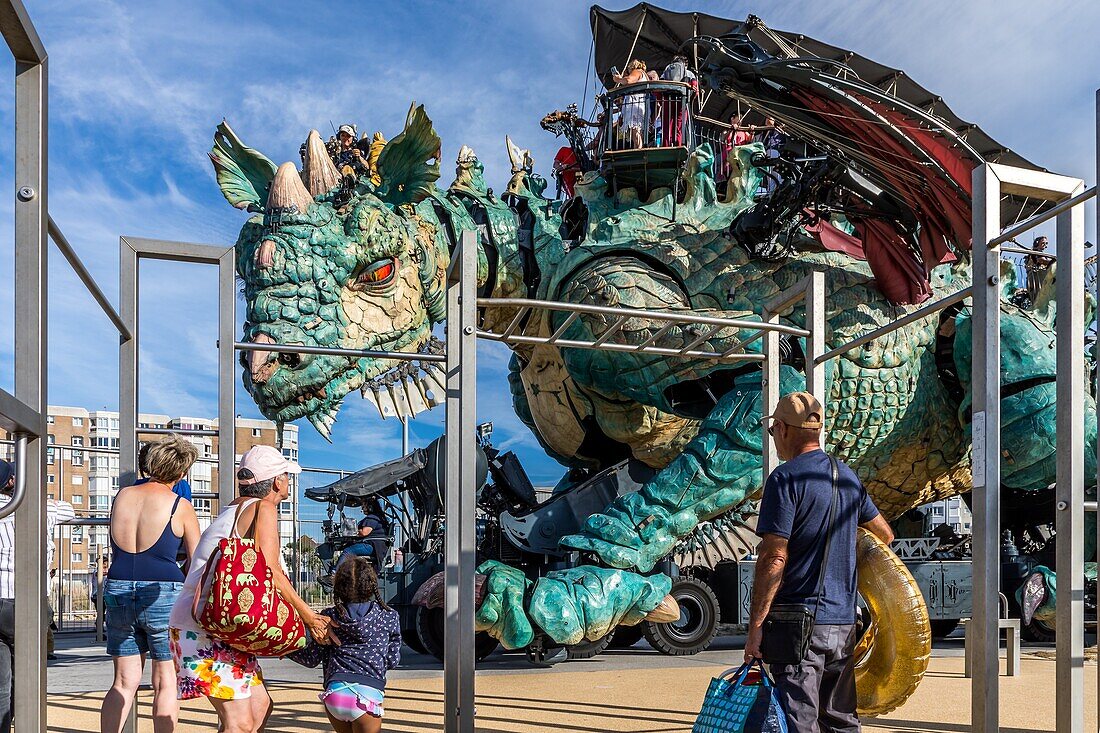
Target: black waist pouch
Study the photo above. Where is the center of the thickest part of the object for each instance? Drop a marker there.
(787, 630)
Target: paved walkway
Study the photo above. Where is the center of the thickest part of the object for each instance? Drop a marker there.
(635, 690)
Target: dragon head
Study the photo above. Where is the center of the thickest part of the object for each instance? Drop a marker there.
(336, 261)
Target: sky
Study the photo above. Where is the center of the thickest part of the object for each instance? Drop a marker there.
(136, 90)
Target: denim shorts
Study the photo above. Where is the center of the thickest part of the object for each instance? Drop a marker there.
(137, 617)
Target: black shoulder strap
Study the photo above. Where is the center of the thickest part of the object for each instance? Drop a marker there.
(828, 538)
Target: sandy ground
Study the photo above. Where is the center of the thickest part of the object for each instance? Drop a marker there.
(622, 691)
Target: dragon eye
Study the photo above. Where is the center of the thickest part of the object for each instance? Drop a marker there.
(378, 273)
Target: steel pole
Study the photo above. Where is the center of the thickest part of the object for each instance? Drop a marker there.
(1070, 489)
(31, 287)
(1097, 353)
(815, 342)
(227, 386)
(458, 658)
(985, 454)
(128, 265)
(769, 395)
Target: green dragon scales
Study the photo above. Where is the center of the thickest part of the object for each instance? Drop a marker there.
(365, 267)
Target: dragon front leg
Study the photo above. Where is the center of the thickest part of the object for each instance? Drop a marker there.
(715, 472)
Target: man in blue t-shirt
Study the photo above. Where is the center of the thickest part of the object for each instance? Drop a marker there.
(376, 547)
(819, 694)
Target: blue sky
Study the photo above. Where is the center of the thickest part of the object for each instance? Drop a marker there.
(137, 89)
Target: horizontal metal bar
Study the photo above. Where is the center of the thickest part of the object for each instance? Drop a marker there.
(17, 416)
(334, 471)
(102, 451)
(654, 350)
(20, 476)
(1025, 251)
(172, 431)
(332, 351)
(1029, 224)
(676, 316)
(564, 326)
(19, 32)
(1090, 506)
(81, 271)
(161, 249)
(89, 522)
(903, 321)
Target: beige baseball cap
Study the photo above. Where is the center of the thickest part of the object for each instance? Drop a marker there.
(799, 410)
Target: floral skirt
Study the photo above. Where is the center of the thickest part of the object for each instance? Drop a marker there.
(205, 667)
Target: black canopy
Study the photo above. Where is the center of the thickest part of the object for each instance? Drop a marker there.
(656, 35)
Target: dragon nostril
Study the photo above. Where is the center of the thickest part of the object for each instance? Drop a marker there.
(290, 359)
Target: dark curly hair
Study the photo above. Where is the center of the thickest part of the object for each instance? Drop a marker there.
(356, 582)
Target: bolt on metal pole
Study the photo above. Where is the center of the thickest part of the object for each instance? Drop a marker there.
(986, 452)
(1070, 487)
(458, 658)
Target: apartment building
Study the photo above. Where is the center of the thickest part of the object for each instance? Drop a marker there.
(83, 469)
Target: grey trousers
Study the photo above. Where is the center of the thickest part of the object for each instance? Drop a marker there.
(819, 695)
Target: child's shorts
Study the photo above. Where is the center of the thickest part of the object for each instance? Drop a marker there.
(348, 701)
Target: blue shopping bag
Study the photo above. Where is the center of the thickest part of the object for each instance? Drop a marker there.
(733, 705)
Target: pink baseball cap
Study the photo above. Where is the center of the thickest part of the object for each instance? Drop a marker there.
(264, 462)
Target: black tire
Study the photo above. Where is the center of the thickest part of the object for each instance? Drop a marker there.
(412, 641)
(625, 637)
(698, 624)
(942, 627)
(1037, 631)
(588, 649)
(429, 629)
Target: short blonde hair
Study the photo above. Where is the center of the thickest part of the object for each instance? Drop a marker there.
(169, 459)
(636, 64)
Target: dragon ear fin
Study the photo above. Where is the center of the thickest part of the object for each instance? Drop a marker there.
(407, 177)
(243, 174)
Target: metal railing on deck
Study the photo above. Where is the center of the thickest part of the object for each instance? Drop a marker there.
(655, 114)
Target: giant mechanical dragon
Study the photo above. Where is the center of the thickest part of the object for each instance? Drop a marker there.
(362, 264)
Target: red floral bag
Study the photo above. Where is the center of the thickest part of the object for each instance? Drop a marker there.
(237, 601)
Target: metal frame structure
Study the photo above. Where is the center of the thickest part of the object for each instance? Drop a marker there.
(990, 183)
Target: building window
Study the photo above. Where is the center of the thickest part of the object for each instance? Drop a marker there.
(50, 478)
(202, 506)
(78, 440)
(114, 483)
(77, 458)
(76, 500)
(78, 480)
(286, 508)
(49, 419)
(78, 422)
(78, 557)
(114, 423)
(77, 533)
(257, 432)
(49, 456)
(99, 503)
(50, 439)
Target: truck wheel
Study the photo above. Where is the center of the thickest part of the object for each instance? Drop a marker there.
(412, 641)
(625, 637)
(698, 622)
(942, 627)
(429, 629)
(588, 649)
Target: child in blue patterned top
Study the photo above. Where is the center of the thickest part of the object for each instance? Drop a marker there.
(370, 645)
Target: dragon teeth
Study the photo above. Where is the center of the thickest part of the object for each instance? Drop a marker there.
(400, 401)
(413, 398)
(436, 391)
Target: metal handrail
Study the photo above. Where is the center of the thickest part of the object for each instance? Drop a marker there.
(81, 271)
(903, 321)
(334, 351)
(20, 476)
(1029, 224)
(681, 317)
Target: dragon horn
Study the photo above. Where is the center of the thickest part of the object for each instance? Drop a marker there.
(288, 193)
(319, 174)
